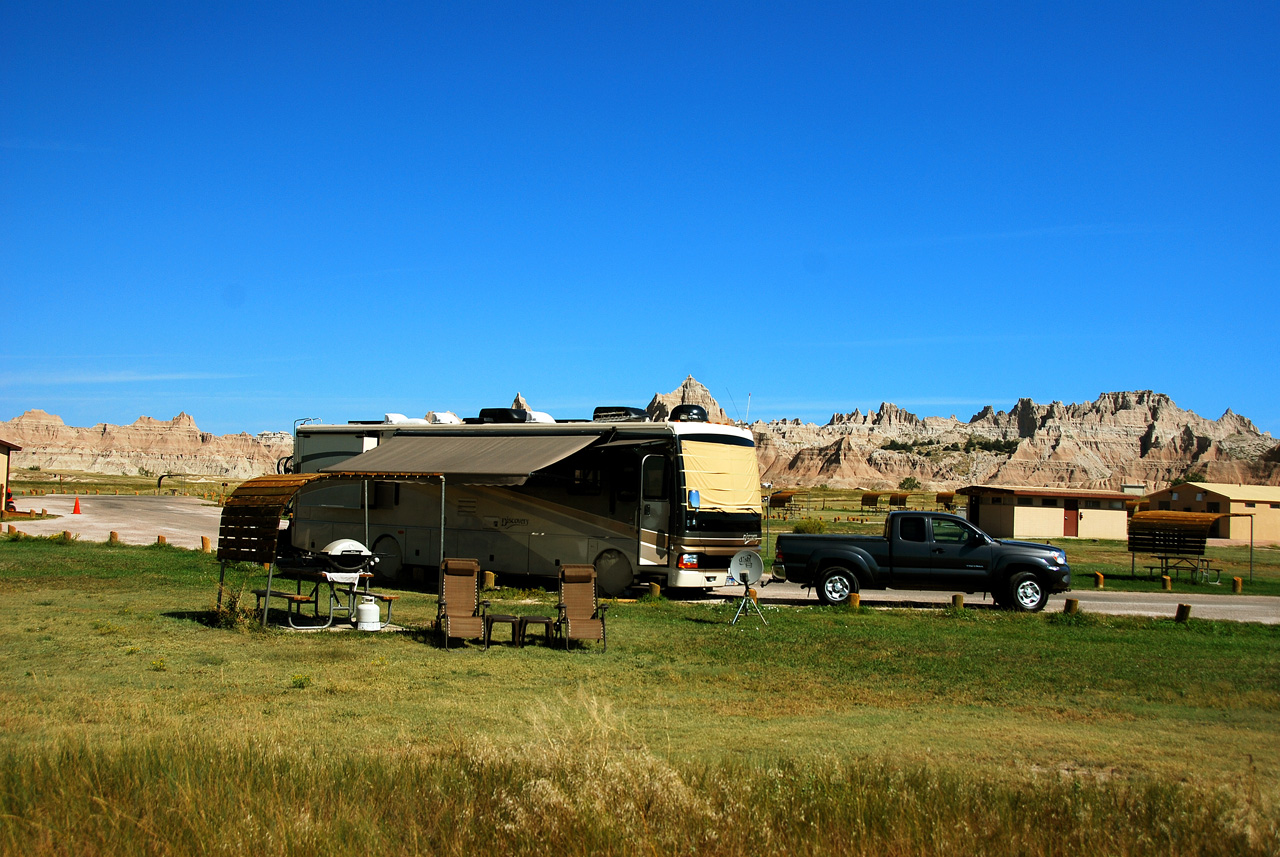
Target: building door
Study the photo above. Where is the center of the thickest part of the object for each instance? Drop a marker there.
(1071, 518)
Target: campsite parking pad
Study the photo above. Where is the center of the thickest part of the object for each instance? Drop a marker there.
(137, 520)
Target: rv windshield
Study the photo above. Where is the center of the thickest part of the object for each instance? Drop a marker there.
(724, 474)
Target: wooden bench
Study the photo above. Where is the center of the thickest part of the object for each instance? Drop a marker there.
(294, 607)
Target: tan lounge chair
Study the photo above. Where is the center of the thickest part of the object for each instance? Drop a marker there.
(461, 612)
(581, 613)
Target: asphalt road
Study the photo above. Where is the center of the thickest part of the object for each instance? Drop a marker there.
(183, 520)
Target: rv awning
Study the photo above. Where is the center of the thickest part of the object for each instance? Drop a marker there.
(470, 459)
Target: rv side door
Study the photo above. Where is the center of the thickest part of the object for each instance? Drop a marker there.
(655, 511)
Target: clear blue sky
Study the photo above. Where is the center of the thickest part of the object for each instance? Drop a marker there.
(256, 212)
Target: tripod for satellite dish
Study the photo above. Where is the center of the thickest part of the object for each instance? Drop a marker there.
(747, 567)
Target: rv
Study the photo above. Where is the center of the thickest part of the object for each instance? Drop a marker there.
(669, 501)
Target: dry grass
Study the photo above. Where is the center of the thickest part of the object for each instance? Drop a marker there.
(830, 731)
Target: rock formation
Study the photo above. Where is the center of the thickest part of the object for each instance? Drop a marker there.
(1140, 438)
(148, 447)
(1127, 438)
(688, 393)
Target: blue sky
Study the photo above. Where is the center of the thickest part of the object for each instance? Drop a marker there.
(264, 211)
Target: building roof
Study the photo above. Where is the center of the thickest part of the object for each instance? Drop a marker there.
(1031, 491)
(1237, 493)
(10, 446)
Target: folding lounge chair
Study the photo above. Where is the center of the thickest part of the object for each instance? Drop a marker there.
(460, 613)
(581, 613)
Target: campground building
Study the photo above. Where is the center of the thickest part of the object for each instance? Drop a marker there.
(5, 449)
(1242, 502)
(1016, 512)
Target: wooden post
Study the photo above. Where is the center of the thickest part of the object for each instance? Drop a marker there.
(1184, 613)
(957, 601)
(1237, 583)
(114, 538)
(13, 530)
(490, 580)
(160, 540)
(855, 600)
(654, 590)
(1098, 580)
(204, 544)
(1166, 583)
(1072, 606)
(66, 535)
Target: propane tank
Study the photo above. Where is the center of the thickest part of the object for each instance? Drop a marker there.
(368, 617)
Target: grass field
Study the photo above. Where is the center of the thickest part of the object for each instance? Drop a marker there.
(132, 722)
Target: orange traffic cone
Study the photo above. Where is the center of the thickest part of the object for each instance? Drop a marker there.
(76, 510)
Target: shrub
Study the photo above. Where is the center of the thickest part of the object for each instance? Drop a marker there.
(909, 484)
(810, 526)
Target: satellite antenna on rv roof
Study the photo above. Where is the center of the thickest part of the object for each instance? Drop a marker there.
(747, 567)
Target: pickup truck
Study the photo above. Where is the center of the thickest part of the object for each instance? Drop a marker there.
(924, 550)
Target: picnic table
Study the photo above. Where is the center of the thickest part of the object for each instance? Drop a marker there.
(342, 588)
(1198, 568)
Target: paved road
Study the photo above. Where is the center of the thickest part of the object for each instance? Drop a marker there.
(1207, 602)
(183, 520)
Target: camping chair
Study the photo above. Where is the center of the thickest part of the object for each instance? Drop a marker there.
(460, 612)
(581, 613)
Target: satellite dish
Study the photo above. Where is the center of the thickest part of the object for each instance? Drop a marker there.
(747, 566)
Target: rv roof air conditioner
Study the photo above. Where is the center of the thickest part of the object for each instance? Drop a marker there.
(688, 414)
(511, 415)
(402, 420)
(619, 414)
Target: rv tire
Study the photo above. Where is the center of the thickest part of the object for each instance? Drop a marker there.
(613, 573)
(390, 558)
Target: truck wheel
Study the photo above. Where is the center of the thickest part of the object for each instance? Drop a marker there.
(836, 585)
(1027, 593)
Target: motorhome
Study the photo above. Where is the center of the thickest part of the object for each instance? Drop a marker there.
(669, 501)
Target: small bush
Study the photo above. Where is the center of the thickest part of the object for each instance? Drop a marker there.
(909, 484)
(810, 526)
(300, 681)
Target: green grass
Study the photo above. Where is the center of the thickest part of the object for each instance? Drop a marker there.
(829, 731)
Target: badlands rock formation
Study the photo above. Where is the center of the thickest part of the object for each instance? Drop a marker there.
(1135, 438)
(688, 393)
(1132, 438)
(147, 447)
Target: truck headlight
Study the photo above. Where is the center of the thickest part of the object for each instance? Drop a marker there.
(1059, 557)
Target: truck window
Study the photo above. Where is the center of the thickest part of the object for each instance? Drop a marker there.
(911, 530)
(951, 532)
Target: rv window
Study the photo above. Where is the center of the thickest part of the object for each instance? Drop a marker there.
(385, 495)
(655, 478)
(586, 480)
